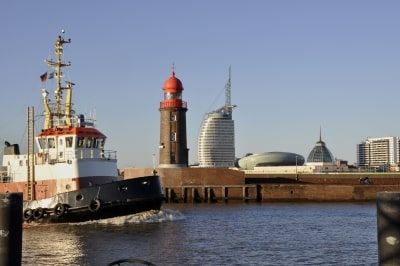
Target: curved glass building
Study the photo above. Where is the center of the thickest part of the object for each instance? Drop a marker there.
(216, 142)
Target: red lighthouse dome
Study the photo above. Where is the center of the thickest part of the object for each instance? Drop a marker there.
(173, 84)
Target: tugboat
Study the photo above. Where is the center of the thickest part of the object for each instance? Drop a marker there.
(71, 178)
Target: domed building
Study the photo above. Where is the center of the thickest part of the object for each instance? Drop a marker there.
(267, 159)
(320, 160)
(320, 154)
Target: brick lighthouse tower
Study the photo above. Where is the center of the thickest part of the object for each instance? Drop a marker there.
(173, 144)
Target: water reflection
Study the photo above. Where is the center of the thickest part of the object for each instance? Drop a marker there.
(50, 245)
(98, 242)
(218, 234)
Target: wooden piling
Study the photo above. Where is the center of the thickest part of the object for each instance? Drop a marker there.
(388, 220)
(10, 228)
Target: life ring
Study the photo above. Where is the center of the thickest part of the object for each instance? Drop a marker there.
(59, 209)
(94, 205)
(27, 215)
(38, 213)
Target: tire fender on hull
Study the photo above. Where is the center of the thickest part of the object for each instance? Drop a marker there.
(27, 215)
(94, 205)
(38, 213)
(59, 209)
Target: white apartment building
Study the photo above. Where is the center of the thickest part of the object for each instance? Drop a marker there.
(379, 152)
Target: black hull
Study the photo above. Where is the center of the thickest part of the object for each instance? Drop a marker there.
(109, 200)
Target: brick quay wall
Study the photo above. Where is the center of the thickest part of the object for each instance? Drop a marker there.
(190, 185)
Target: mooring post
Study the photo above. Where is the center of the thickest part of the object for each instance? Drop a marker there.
(388, 220)
(10, 228)
(225, 193)
(244, 193)
(167, 196)
(205, 193)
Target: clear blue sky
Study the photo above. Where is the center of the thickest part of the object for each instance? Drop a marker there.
(296, 66)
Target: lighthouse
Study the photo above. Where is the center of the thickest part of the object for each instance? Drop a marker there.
(173, 143)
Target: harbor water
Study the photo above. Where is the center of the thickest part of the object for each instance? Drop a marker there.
(215, 234)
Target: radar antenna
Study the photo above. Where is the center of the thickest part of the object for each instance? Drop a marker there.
(62, 114)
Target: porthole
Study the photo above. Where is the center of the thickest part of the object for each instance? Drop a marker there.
(79, 197)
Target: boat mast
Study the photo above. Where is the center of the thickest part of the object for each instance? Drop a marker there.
(31, 155)
(62, 115)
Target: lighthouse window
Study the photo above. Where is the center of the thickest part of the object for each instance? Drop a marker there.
(173, 136)
(68, 142)
(51, 143)
(173, 116)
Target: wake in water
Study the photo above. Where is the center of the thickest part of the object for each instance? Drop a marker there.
(152, 216)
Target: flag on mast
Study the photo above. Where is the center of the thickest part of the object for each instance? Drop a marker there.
(43, 77)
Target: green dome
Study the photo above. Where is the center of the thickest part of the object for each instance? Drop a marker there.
(320, 154)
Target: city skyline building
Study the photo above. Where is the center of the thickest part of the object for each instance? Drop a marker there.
(216, 141)
(380, 152)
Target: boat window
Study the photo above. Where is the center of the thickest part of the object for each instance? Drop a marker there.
(51, 143)
(101, 144)
(95, 143)
(80, 142)
(68, 142)
(89, 142)
(42, 143)
(60, 142)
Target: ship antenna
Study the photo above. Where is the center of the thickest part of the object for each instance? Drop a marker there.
(57, 65)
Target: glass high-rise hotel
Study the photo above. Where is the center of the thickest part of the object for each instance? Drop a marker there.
(216, 142)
